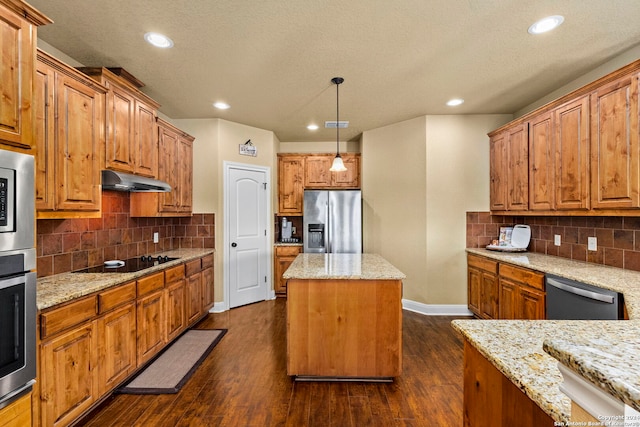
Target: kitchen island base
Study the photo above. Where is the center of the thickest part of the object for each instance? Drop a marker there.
(344, 329)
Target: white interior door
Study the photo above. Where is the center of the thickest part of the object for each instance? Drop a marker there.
(247, 235)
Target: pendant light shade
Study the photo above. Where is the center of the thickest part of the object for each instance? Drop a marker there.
(338, 164)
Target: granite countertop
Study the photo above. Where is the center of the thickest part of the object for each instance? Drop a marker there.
(287, 244)
(59, 288)
(528, 352)
(342, 266)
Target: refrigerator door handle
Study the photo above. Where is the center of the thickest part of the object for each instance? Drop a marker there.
(327, 240)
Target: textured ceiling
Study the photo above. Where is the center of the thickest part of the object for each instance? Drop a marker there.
(273, 60)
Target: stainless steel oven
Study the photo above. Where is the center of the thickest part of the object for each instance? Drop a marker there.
(17, 276)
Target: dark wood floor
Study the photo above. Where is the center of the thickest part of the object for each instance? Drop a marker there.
(244, 382)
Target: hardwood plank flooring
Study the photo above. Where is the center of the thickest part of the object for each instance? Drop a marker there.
(244, 382)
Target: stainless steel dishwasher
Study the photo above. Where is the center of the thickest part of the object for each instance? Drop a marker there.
(568, 299)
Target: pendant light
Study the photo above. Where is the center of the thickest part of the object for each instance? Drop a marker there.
(338, 165)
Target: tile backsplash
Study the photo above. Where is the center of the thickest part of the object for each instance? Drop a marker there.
(618, 238)
(65, 245)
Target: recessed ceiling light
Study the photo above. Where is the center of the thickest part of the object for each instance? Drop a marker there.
(455, 102)
(221, 105)
(158, 40)
(546, 24)
(312, 127)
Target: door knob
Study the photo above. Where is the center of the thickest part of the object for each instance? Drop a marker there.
(234, 244)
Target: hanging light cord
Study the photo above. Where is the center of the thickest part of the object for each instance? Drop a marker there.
(337, 81)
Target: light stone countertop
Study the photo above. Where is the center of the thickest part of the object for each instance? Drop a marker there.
(59, 288)
(527, 352)
(342, 266)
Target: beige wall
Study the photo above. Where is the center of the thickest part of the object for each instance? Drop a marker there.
(319, 147)
(216, 142)
(419, 179)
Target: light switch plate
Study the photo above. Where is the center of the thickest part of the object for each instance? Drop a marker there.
(592, 243)
(557, 240)
(156, 237)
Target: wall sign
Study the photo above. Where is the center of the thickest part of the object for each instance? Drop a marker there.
(248, 149)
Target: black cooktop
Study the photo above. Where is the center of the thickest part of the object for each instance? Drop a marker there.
(130, 265)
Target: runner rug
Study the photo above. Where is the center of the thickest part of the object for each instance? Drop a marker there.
(175, 365)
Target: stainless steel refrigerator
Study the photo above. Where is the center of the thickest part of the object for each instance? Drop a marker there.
(332, 221)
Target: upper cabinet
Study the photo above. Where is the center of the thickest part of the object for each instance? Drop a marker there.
(131, 136)
(614, 145)
(18, 35)
(175, 166)
(70, 141)
(582, 153)
(297, 172)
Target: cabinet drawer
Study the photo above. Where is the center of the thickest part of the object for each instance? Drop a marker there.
(67, 316)
(116, 297)
(150, 283)
(483, 263)
(522, 275)
(174, 274)
(193, 267)
(207, 262)
(288, 250)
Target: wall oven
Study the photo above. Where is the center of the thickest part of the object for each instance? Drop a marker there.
(17, 276)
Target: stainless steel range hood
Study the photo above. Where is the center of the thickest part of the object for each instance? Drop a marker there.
(120, 181)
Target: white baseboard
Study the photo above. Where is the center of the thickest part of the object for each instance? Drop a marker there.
(436, 309)
(219, 307)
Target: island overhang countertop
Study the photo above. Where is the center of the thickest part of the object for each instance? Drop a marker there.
(365, 266)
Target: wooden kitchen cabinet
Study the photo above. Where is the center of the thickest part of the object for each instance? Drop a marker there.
(541, 162)
(17, 413)
(175, 167)
(69, 139)
(522, 294)
(498, 172)
(68, 384)
(483, 292)
(208, 296)
(283, 259)
(18, 30)
(517, 168)
(195, 306)
(615, 156)
(317, 173)
(176, 302)
(291, 169)
(151, 317)
(131, 136)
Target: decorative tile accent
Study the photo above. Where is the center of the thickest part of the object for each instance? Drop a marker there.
(618, 237)
(65, 245)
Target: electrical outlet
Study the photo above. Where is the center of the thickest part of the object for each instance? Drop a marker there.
(592, 243)
(556, 240)
(156, 237)
(293, 230)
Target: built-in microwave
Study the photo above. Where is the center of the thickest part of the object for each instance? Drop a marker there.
(17, 276)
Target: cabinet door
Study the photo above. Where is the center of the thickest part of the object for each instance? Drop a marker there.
(208, 298)
(44, 136)
(194, 298)
(517, 168)
(151, 326)
(176, 310)
(68, 385)
(572, 155)
(120, 129)
(282, 263)
(474, 277)
(185, 175)
(349, 178)
(489, 296)
(16, 74)
(146, 141)
(614, 145)
(531, 304)
(290, 184)
(80, 134)
(508, 300)
(168, 168)
(117, 344)
(316, 172)
(498, 172)
(541, 163)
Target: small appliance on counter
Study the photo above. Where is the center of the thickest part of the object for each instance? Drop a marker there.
(512, 239)
(285, 231)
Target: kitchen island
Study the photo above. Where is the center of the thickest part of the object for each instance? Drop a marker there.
(344, 317)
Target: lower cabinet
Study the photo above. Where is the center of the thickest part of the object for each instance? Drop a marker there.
(498, 290)
(17, 414)
(90, 346)
(68, 383)
(283, 259)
